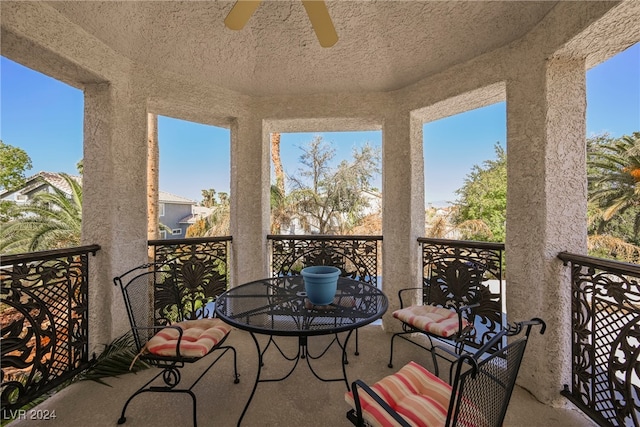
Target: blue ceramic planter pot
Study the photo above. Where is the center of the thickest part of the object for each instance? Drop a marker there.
(320, 283)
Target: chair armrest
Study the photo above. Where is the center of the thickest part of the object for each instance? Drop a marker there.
(401, 291)
(534, 321)
(364, 387)
(469, 358)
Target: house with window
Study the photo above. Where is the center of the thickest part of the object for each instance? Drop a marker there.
(42, 181)
(176, 213)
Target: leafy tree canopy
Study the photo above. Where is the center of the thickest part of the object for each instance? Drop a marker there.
(330, 199)
(483, 196)
(614, 178)
(14, 162)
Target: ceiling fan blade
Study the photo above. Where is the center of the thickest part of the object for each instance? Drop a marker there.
(240, 13)
(321, 22)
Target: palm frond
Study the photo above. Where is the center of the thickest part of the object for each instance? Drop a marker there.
(115, 360)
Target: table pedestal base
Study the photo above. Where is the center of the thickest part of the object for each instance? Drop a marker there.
(303, 353)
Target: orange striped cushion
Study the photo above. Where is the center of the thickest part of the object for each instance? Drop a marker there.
(198, 338)
(420, 397)
(435, 320)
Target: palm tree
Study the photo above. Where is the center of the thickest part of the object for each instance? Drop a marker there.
(49, 221)
(153, 166)
(279, 212)
(217, 223)
(614, 177)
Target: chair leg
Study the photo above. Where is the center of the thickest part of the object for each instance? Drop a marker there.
(143, 389)
(236, 377)
(171, 377)
(390, 364)
(357, 353)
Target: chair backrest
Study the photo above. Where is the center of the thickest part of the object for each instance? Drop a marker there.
(453, 283)
(483, 387)
(151, 298)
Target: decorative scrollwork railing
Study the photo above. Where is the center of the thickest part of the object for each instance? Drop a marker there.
(199, 268)
(45, 314)
(356, 256)
(487, 258)
(605, 307)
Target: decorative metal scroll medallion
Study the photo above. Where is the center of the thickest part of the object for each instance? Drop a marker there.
(199, 272)
(356, 257)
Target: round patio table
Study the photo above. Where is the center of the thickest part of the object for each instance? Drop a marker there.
(279, 307)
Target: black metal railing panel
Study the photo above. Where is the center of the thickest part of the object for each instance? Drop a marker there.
(356, 256)
(44, 315)
(200, 272)
(605, 307)
(490, 316)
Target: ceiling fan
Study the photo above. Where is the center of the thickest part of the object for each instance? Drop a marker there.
(316, 10)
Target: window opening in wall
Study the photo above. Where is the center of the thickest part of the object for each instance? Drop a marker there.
(42, 129)
(613, 165)
(465, 168)
(195, 176)
(326, 183)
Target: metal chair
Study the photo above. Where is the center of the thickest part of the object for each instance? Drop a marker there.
(448, 298)
(478, 396)
(161, 311)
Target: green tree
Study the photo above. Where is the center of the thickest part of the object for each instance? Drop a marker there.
(614, 177)
(613, 168)
(14, 162)
(208, 198)
(217, 223)
(484, 197)
(332, 200)
(49, 221)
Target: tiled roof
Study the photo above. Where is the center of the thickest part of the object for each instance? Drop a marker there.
(163, 196)
(57, 181)
(52, 178)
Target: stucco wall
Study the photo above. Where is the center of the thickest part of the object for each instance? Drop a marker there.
(545, 115)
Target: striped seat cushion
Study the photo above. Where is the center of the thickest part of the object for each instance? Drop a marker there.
(198, 338)
(416, 394)
(434, 320)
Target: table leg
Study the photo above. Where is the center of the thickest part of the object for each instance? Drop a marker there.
(255, 385)
(343, 360)
(302, 354)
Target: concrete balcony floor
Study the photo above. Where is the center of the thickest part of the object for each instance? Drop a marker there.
(300, 400)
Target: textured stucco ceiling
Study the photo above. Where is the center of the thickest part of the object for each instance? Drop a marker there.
(383, 45)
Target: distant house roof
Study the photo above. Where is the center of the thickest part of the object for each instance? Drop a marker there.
(165, 197)
(56, 180)
(42, 178)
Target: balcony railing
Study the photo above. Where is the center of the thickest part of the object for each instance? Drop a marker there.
(356, 256)
(45, 314)
(200, 269)
(605, 307)
(490, 316)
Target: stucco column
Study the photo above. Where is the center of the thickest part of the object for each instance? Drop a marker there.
(402, 208)
(250, 208)
(114, 211)
(546, 210)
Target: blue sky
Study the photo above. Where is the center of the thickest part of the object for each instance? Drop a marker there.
(44, 117)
